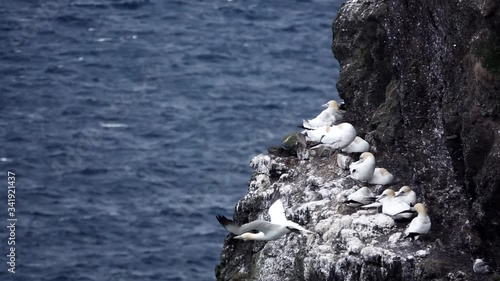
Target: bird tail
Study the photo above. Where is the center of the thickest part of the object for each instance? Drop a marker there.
(306, 125)
(372, 205)
(295, 226)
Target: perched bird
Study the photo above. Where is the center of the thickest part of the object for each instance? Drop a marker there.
(481, 267)
(379, 200)
(394, 207)
(264, 230)
(315, 135)
(337, 136)
(327, 117)
(358, 145)
(363, 169)
(420, 224)
(381, 176)
(407, 195)
(361, 197)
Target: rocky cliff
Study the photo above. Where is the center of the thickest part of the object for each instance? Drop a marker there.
(421, 81)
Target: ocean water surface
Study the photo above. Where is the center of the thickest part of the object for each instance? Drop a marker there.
(130, 124)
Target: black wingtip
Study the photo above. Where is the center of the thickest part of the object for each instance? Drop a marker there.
(275, 195)
(302, 127)
(223, 220)
(412, 235)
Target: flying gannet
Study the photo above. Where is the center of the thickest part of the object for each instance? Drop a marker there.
(481, 267)
(361, 197)
(358, 145)
(407, 195)
(264, 230)
(327, 117)
(394, 207)
(337, 136)
(363, 169)
(381, 176)
(420, 224)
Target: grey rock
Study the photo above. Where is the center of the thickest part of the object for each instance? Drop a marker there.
(422, 80)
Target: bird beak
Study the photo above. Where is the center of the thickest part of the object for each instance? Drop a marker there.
(381, 197)
(325, 105)
(397, 194)
(238, 237)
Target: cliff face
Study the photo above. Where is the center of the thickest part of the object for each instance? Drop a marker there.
(421, 80)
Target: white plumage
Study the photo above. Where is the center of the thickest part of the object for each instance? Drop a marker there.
(394, 207)
(419, 225)
(264, 230)
(381, 176)
(363, 169)
(327, 117)
(358, 145)
(407, 195)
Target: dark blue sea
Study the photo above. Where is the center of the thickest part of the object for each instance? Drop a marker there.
(130, 124)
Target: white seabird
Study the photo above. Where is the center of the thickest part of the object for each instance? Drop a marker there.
(419, 225)
(379, 200)
(361, 197)
(381, 176)
(358, 145)
(316, 134)
(394, 207)
(264, 230)
(327, 117)
(481, 267)
(337, 136)
(363, 169)
(407, 195)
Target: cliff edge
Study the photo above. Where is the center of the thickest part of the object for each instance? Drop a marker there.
(421, 81)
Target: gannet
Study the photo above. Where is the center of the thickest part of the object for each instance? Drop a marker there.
(327, 117)
(379, 200)
(337, 136)
(358, 145)
(264, 230)
(407, 195)
(381, 176)
(419, 225)
(361, 197)
(394, 207)
(481, 267)
(317, 134)
(363, 169)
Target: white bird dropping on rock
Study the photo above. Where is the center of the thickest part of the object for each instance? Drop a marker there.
(407, 195)
(419, 225)
(327, 117)
(358, 145)
(394, 207)
(264, 230)
(363, 169)
(381, 176)
(361, 197)
(481, 267)
(343, 161)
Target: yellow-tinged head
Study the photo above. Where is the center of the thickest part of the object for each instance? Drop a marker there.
(420, 208)
(388, 192)
(366, 155)
(332, 104)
